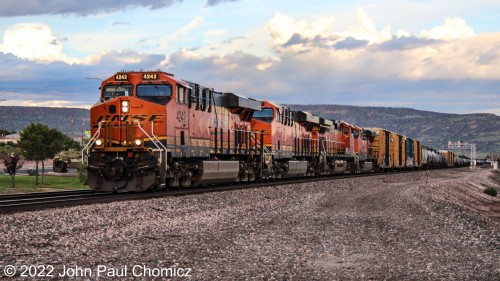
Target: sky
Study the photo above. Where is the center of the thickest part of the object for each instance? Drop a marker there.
(441, 56)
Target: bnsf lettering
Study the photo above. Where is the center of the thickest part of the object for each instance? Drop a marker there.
(124, 118)
(155, 117)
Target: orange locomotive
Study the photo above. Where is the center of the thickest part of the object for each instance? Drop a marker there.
(151, 130)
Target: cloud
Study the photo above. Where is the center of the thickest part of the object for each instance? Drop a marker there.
(351, 43)
(217, 2)
(116, 23)
(232, 39)
(11, 8)
(453, 28)
(42, 84)
(215, 32)
(291, 79)
(406, 43)
(33, 41)
(302, 35)
(361, 64)
(181, 32)
(287, 31)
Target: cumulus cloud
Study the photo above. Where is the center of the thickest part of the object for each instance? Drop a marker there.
(33, 41)
(301, 35)
(453, 28)
(322, 80)
(285, 30)
(449, 51)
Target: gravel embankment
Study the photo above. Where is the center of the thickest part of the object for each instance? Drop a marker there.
(381, 227)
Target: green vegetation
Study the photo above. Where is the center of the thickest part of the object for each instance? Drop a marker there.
(491, 191)
(27, 184)
(82, 172)
(39, 142)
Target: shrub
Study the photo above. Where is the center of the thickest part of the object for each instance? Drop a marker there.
(491, 191)
(82, 172)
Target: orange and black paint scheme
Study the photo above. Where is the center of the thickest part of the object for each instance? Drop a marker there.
(151, 130)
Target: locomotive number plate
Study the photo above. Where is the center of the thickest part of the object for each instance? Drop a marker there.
(121, 77)
(150, 76)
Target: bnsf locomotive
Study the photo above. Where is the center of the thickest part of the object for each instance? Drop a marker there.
(151, 130)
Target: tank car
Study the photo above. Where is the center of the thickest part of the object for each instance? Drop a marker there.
(431, 158)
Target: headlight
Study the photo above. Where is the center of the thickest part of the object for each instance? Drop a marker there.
(98, 142)
(125, 106)
(138, 142)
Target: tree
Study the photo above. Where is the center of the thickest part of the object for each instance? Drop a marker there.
(38, 142)
(12, 163)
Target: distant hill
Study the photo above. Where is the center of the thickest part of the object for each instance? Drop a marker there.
(435, 129)
(71, 121)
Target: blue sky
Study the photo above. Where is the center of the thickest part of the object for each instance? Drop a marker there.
(431, 55)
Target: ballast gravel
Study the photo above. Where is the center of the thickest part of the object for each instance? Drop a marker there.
(435, 225)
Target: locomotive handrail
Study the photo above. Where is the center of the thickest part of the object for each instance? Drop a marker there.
(91, 142)
(266, 150)
(155, 141)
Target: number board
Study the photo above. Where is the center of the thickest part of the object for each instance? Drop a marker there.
(150, 76)
(121, 77)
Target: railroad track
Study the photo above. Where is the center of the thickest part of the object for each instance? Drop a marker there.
(43, 200)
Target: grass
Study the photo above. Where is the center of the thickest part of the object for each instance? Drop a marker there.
(51, 183)
(491, 191)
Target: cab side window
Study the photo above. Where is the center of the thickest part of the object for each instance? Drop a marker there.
(181, 94)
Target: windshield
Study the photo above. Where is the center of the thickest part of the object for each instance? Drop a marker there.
(355, 133)
(155, 93)
(265, 114)
(113, 91)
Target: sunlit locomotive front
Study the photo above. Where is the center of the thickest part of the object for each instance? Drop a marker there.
(128, 124)
(151, 130)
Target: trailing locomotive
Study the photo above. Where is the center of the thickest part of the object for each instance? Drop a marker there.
(151, 130)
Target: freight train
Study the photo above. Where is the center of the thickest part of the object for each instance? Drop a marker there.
(151, 130)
